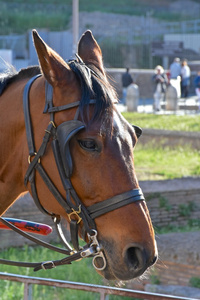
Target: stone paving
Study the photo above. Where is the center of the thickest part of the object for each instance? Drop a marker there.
(186, 106)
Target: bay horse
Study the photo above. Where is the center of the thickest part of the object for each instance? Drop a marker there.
(63, 117)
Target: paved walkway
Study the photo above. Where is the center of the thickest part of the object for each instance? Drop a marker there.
(185, 106)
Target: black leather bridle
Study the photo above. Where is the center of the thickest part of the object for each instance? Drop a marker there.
(76, 211)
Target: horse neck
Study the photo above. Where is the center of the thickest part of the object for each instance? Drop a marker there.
(13, 150)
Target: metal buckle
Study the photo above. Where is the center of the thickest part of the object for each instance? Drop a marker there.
(76, 213)
(99, 253)
(29, 158)
(88, 252)
(52, 122)
(47, 262)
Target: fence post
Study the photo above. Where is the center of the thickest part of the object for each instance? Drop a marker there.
(27, 291)
(132, 97)
(171, 98)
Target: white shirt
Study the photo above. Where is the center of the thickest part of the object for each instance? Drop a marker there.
(185, 72)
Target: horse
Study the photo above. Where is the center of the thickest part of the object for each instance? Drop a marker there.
(64, 141)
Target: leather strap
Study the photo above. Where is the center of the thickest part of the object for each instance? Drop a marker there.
(55, 109)
(74, 234)
(27, 117)
(41, 151)
(34, 239)
(115, 202)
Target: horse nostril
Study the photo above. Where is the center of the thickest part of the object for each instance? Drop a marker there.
(154, 260)
(135, 257)
(138, 259)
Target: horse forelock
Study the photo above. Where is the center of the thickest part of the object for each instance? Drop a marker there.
(94, 86)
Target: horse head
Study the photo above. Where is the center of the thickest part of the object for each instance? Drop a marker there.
(92, 162)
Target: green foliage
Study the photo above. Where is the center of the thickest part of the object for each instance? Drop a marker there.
(153, 162)
(164, 203)
(195, 282)
(152, 196)
(194, 223)
(19, 16)
(185, 210)
(81, 271)
(166, 122)
(154, 279)
(20, 21)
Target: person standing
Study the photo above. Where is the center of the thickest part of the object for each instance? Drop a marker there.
(185, 78)
(197, 87)
(126, 81)
(175, 75)
(160, 83)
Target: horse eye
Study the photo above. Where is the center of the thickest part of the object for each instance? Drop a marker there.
(88, 145)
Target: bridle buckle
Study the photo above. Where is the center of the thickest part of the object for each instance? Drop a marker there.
(48, 263)
(76, 213)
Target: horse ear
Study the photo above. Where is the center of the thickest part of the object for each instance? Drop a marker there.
(53, 66)
(89, 50)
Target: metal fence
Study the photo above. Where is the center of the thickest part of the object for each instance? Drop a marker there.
(132, 48)
(103, 291)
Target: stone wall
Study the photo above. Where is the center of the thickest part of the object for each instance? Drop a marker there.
(170, 202)
(178, 263)
(171, 138)
(173, 202)
(25, 208)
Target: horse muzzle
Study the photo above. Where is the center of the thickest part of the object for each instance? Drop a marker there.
(133, 262)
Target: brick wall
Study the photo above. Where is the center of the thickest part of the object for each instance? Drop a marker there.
(167, 273)
(171, 273)
(169, 203)
(173, 202)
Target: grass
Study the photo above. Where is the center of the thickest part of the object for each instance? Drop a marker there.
(172, 228)
(166, 122)
(81, 271)
(152, 162)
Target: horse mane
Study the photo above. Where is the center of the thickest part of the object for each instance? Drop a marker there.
(93, 86)
(11, 75)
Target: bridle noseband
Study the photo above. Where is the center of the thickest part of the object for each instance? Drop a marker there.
(76, 211)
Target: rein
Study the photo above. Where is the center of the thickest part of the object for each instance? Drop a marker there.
(76, 211)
